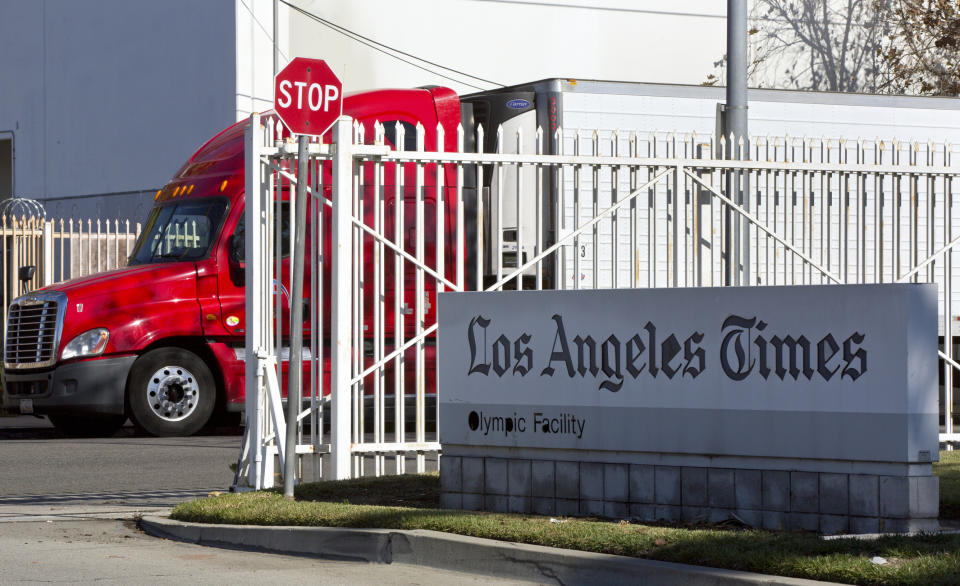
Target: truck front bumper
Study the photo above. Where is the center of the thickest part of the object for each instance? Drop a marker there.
(88, 387)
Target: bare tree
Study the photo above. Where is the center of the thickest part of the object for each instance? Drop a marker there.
(825, 45)
(920, 49)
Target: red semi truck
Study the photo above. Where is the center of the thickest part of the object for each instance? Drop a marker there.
(161, 340)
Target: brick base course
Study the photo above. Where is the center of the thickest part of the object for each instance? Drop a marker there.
(774, 499)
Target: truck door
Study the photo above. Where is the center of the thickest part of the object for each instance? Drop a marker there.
(231, 285)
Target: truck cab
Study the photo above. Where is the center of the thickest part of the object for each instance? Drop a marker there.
(161, 340)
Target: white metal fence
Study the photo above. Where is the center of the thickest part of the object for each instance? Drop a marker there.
(60, 250)
(610, 210)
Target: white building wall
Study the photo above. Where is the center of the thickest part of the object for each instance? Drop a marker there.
(258, 57)
(514, 41)
(105, 99)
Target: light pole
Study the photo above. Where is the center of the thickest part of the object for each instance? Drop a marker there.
(734, 130)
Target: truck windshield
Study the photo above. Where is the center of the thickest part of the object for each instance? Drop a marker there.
(179, 231)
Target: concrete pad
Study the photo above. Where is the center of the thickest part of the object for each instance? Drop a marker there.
(472, 475)
(748, 489)
(721, 488)
(495, 476)
(615, 482)
(519, 481)
(591, 481)
(642, 487)
(450, 474)
(834, 494)
(864, 496)
(804, 492)
(776, 491)
(667, 480)
(543, 478)
(693, 487)
(568, 480)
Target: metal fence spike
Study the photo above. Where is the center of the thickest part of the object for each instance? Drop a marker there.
(400, 136)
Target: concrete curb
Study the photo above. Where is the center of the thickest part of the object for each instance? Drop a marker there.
(455, 552)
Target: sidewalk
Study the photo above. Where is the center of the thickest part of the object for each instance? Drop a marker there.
(446, 551)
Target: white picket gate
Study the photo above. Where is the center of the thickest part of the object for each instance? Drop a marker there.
(610, 210)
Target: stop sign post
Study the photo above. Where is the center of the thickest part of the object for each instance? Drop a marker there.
(308, 96)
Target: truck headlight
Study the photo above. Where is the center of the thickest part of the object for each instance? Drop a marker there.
(89, 343)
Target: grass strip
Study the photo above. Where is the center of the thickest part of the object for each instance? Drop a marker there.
(411, 502)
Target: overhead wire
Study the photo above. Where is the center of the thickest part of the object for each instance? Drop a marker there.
(385, 49)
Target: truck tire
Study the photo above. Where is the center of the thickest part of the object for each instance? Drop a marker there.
(171, 392)
(87, 425)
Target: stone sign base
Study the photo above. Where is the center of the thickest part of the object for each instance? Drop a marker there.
(781, 499)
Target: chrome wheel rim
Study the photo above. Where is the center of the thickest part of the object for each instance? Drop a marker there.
(172, 393)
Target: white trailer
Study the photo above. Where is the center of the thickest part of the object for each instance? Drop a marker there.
(830, 213)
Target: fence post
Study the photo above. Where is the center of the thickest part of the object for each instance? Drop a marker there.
(254, 301)
(13, 262)
(342, 249)
(46, 254)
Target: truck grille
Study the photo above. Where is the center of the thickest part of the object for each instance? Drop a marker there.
(33, 330)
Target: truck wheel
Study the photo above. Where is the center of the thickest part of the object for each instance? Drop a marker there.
(171, 392)
(87, 426)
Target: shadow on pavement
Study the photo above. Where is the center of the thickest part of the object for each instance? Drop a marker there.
(32, 428)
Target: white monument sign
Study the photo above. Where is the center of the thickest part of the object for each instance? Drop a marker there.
(756, 375)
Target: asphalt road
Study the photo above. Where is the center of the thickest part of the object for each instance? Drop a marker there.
(36, 461)
(67, 505)
(38, 466)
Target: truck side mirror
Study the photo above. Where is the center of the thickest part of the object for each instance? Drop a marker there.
(236, 248)
(25, 274)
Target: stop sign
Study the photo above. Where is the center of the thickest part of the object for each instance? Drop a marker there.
(307, 96)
